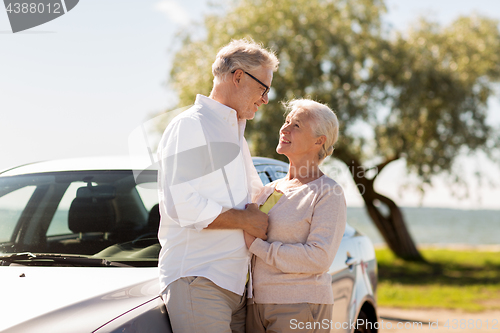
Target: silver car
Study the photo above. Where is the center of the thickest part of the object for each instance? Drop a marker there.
(79, 253)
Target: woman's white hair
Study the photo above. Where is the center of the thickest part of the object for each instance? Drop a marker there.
(242, 54)
(323, 122)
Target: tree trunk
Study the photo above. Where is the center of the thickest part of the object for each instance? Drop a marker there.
(392, 225)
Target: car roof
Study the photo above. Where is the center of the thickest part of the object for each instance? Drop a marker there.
(102, 163)
(81, 164)
(266, 161)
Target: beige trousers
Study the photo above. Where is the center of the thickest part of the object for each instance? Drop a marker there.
(302, 317)
(196, 304)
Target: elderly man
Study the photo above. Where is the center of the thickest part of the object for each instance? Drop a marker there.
(206, 185)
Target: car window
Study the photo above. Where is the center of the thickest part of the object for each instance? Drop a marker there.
(280, 174)
(271, 172)
(11, 206)
(264, 177)
(148, 193)
(59, 223)
(104, 214)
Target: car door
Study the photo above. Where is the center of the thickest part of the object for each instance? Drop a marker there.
(343, 271)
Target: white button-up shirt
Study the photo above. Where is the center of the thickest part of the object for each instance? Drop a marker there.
(205, 166)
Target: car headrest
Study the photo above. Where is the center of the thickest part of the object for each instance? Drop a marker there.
(154, 218)
(91, 215)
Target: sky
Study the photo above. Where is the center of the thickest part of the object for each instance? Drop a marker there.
(81, 84)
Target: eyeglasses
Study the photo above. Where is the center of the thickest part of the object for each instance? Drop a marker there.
(253, 77)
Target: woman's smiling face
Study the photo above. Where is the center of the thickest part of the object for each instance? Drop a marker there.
(297, 137)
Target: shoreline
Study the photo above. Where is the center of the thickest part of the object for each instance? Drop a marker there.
(453, 246)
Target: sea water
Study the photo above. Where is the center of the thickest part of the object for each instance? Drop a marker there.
(440, 226)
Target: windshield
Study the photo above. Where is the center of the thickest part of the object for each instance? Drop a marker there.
(95, 214)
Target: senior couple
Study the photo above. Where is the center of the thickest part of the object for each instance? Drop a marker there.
(238, 256)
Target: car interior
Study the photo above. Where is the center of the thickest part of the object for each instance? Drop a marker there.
(62, 216)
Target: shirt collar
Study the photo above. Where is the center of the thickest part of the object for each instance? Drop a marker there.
(225, 112)
(219, 109)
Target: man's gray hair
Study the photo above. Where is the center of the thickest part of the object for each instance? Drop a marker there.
(323, 122)
(242, 54)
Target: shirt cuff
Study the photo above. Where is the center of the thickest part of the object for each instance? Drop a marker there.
(260, 248)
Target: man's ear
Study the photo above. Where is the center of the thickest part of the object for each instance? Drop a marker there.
(237, 76)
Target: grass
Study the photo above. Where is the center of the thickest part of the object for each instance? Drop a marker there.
(452, 279)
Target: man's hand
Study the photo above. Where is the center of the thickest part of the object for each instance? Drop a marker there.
(251, 220)
(255, 221)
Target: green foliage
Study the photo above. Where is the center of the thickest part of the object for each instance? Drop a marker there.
(454, 279)
(320, 57)
(422, 93)
(439, 82)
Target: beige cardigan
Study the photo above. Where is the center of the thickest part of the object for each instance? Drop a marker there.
(305, 229)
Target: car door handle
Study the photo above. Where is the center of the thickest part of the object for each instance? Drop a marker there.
(350, 261)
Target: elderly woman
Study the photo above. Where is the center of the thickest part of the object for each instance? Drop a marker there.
(307, 217)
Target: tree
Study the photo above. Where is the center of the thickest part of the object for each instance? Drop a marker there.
(423, 93)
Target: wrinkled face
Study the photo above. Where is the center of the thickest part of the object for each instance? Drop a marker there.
(297, 138)
(251, 93)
